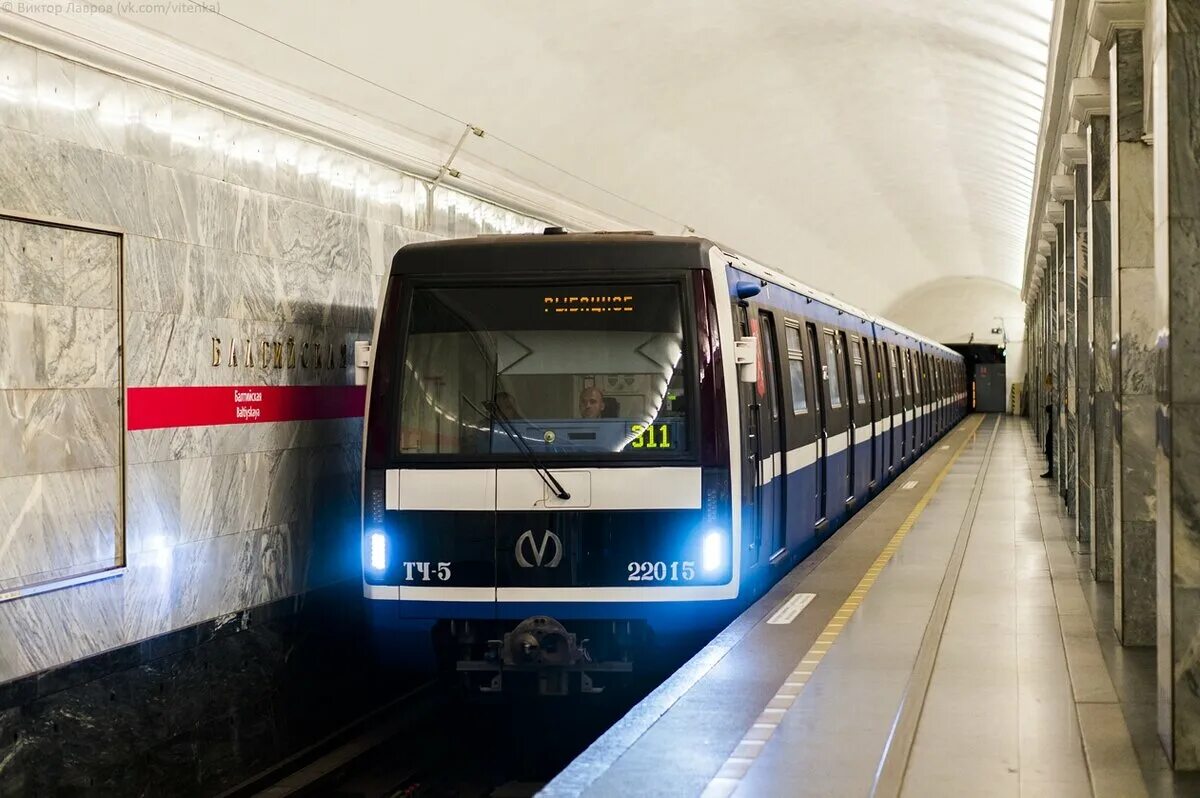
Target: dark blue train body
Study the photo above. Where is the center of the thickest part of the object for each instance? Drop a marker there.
(579, 446)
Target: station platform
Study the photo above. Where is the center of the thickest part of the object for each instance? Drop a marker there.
(944, 647)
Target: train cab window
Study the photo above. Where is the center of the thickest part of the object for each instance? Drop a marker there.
(767, 347)
(831, 370)
(856, 361)
(569, 369)
(795, 353)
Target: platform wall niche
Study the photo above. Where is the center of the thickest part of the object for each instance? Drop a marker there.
(60, 375)
(240, 547)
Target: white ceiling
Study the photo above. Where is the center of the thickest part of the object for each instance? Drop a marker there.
(868, 147)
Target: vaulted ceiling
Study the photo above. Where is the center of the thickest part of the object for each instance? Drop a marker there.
(873, 148)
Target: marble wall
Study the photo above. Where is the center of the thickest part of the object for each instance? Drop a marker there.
(59, 404)
(198, 710)
(231, 229)
(1174, 45)
(1134, 333)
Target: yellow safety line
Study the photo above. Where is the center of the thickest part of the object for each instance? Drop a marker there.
(746, 751)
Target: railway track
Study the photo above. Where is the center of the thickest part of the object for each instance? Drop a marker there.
(433, 742)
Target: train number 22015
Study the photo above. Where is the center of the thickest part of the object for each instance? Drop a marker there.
(662, 571)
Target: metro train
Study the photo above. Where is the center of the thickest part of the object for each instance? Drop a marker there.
(582, 446)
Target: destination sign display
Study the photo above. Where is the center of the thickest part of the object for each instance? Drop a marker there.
(594, 303)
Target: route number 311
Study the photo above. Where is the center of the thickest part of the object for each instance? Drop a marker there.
(651, 436)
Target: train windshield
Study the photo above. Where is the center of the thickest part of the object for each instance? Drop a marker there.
(565, 369)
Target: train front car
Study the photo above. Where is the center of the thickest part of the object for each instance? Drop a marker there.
(547, 478)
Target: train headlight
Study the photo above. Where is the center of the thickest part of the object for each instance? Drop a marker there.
(377, 551)
(713, 552)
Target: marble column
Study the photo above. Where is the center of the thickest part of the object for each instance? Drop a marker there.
(1033, 360)
(1068, 400)
(1060, 422)
(1100, 313)
(1133, 338)
(1047, 344)
(1054, 342)
(1174, 44)
(1039, 407)
(1066, 450)
(1066, 250)
(1047, 340)
(1083, 366)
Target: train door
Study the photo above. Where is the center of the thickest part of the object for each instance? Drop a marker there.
(899, 390)
(926, 398)
(941, 381)
(912, 401)
(930, 396)
(836, 411)
(935, 393)
(772, 467)
(798, 427)
(820, 427)
(905, 400)
(881, 413)
(931, 392)
(921, 401)
(935, 370)
(887, 382)
(852, 434)
(866, 388)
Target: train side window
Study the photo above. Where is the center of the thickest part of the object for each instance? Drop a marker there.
(893, 356)
(857, 364)
(877, 369)
(915, 364)
(831, 370)
(795, 353)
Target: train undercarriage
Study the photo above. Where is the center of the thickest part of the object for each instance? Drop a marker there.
(541, 655)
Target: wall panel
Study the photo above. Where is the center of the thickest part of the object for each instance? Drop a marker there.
(232, 230)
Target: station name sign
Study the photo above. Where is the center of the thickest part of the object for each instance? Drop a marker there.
(285, 354)
(155, 407)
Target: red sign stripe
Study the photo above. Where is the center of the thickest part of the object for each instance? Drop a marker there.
(202, 406)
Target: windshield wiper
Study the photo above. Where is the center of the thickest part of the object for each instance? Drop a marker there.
(524, 447)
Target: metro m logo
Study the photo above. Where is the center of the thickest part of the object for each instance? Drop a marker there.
(537, 551)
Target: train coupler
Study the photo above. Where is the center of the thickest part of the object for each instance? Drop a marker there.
(541, 648)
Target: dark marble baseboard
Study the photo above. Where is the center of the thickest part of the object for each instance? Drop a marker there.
(197, 710)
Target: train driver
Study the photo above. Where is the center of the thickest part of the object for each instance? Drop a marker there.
(591, 402)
